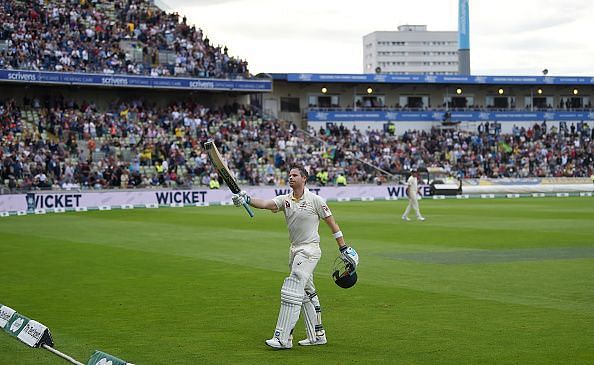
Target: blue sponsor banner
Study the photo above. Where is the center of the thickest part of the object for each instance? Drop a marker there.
(42, 77)
(431, 116)
(437, 79)
(463, 25)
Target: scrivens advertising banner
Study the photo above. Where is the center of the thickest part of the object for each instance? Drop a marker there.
(117, 80)
(69, 200)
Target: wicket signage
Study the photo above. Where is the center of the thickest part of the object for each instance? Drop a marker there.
(6, 314)
(102, 358)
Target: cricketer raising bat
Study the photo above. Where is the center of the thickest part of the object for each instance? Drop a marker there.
(223, 170)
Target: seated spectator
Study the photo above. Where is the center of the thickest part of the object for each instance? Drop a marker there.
(92, 39)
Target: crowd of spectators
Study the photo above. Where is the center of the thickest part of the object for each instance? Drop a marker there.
(97, 36)
(61, 144)
(536, 151)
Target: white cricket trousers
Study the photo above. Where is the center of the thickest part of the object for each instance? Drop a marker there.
(414, 204)
(302, 267)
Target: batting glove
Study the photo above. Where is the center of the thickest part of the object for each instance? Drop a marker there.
(241, 198)
(349, 256)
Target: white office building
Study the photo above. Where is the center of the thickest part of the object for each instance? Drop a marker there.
(411, 50)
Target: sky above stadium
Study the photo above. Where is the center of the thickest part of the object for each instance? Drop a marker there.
(507, 37)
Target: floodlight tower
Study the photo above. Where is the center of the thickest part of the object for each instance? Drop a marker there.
(463, 38)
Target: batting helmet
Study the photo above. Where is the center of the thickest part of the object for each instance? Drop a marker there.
(343, 274)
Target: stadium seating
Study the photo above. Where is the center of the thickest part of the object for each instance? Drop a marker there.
(62, 145)
(121, 37)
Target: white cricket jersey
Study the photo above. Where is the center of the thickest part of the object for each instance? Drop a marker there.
(303, 219)
(412, 186)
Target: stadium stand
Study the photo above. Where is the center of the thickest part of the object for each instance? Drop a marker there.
(121, 37)
(61, 143)
(527, 152)
(132, 144)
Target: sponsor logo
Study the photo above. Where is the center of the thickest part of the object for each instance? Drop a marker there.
(483, 116)
(104, 361)
(33, 332)
(185, 197)
(287, 204)
(305, 77)
(229, 180)
(5, 315)
(437, 116)
(16, 325)
(325, 208)
(321, 116)
(391, 116)
(548, 116)
(202, 84)
(380, 78)
(400, 191)
(43, 201)
(591, 116)
(396, 191)
(114, 81)
(430, 78)
(480, 79)
(21, 76)
(549, 80)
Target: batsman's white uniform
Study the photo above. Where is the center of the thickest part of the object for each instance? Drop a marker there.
(298, 291)
(413, 201)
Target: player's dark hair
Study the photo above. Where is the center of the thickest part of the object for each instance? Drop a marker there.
(302, 171)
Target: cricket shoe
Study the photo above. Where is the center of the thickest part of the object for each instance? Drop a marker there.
(275, 343)
(421, 219)
(320, 340)
(405, 218)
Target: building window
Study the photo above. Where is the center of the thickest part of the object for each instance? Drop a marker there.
(290, 105)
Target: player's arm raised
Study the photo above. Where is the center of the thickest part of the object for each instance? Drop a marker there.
(243, 197)
(263, 204)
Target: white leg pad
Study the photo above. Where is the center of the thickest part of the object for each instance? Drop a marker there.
(292, 294)
(312, 314)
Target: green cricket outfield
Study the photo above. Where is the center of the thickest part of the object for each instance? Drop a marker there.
(498, 281)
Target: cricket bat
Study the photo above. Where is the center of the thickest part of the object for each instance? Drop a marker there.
(217, 160)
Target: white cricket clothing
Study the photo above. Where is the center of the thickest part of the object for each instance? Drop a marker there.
(303, 219)
(318, 341)
(413, 202)
(413, 187)
(275, 343)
